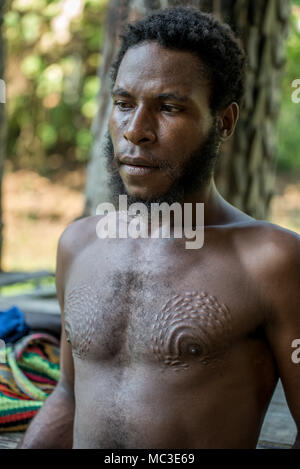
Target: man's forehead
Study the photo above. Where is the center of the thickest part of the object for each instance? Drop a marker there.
(152, 66)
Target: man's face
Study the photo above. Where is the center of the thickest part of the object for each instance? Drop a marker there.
(163, 138)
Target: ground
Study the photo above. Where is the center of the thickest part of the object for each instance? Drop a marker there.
(37, 210)
(35, 213)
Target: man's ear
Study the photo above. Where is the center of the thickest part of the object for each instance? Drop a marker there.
(227, 121)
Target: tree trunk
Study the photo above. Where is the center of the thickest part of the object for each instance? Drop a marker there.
(2, 126)
(245, 174)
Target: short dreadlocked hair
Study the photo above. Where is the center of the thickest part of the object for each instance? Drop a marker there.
(189, 29)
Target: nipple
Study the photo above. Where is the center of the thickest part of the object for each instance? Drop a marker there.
(194, 349)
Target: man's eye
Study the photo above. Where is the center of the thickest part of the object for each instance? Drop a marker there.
(170, 108)
(123, 105)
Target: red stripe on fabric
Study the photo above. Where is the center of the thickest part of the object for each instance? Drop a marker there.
(18, 416)
(35, 351)
(9, 393)
(39, 379)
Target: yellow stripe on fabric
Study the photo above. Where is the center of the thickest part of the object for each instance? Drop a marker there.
(23, 382)
(18, 428)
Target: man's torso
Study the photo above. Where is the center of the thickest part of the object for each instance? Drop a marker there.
(168, 343)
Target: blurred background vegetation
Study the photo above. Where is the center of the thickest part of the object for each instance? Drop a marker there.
(53, 53)
(289, 120)
(52, 59)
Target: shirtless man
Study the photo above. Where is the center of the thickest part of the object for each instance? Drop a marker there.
(162, 346)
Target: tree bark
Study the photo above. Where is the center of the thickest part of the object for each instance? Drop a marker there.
(245, 174)
(2, 126)
(247, 171)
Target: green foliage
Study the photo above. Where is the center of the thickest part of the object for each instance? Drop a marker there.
(27, 287)
(53, 85)
(53, 53)
(289, 120)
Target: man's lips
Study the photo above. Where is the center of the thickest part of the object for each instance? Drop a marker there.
(137, 170)
(137, 166)
(137, 161)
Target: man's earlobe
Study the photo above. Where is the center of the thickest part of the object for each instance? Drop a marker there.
(227, 121)
(223, 132)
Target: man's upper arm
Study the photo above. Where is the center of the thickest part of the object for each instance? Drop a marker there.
(283, 324)
(66, 359)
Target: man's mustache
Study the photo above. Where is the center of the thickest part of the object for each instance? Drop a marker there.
(159, 163)
(171, 170)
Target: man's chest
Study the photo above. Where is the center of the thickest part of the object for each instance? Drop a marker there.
(173, 314)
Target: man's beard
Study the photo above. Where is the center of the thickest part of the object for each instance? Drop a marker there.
(192, 175)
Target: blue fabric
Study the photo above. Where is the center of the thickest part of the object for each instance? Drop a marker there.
(12, 325)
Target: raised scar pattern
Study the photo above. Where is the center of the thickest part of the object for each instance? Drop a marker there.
(197, 319)
(80, 300)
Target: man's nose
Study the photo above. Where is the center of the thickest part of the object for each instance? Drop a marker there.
(140, 127)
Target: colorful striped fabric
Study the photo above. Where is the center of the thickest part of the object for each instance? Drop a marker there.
(27, 377)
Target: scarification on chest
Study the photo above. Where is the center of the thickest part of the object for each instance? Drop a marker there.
(188, 328)
(81, 314)
(195, 326)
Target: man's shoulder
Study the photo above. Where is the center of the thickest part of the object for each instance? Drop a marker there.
(78, 234)
(274, 241)
(267, 231)
(269, 252)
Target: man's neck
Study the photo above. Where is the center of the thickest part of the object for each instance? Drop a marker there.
(217, 212)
